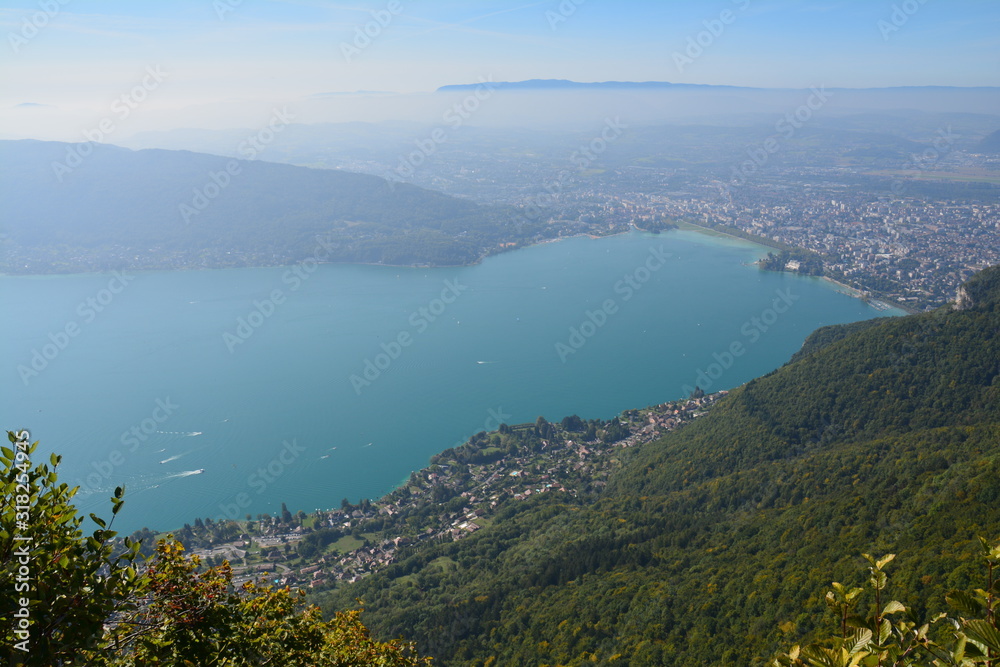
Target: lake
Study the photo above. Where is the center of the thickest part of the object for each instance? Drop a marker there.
(227, 392)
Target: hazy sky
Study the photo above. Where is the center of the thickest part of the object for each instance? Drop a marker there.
(212, 52)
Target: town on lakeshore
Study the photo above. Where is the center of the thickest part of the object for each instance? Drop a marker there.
(456, 495)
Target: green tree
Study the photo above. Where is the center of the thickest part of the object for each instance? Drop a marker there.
(57, 585)
(87, 601)
(194, 617)
(573, 423)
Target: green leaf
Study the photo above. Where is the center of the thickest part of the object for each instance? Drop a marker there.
(858, 641)
(965, 602)
(980, 648)
(98, 520)
(885, 560)
(8, 453)
(984, 632)
(884, 631)
(893, 608)
(959, 653)
(819, 657)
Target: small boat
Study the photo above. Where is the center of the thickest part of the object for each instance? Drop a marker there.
(199, 471)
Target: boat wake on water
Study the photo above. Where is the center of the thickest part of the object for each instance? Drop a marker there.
(186, 473)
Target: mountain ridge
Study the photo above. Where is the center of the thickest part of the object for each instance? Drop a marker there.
(567, 84)
(115, 208)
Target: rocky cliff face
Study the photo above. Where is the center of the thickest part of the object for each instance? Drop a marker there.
(964, 300)
(981, 292)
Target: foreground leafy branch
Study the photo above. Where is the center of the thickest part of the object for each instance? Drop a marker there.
(888, 636)
(57, 586)
(72, 599)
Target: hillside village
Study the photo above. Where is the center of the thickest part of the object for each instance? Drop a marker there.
(456, 495)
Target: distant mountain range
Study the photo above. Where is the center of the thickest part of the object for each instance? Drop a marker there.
(81, 207)
(564, 84)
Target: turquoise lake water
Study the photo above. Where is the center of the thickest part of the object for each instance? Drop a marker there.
(146, 381)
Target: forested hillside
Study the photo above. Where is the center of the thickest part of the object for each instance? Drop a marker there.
(79, 207)
(715, 544)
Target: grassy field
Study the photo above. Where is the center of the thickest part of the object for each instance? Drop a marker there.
(347, 543)
(704, 230)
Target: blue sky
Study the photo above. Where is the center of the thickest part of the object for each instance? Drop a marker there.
(90, 51)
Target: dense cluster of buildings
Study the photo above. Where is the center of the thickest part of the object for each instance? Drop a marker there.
(911, 251)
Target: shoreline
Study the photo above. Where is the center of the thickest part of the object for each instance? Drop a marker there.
(853, 291)
(859, 294)
(683, 225)
(679, 225)
(500, 251)
(839, 286)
